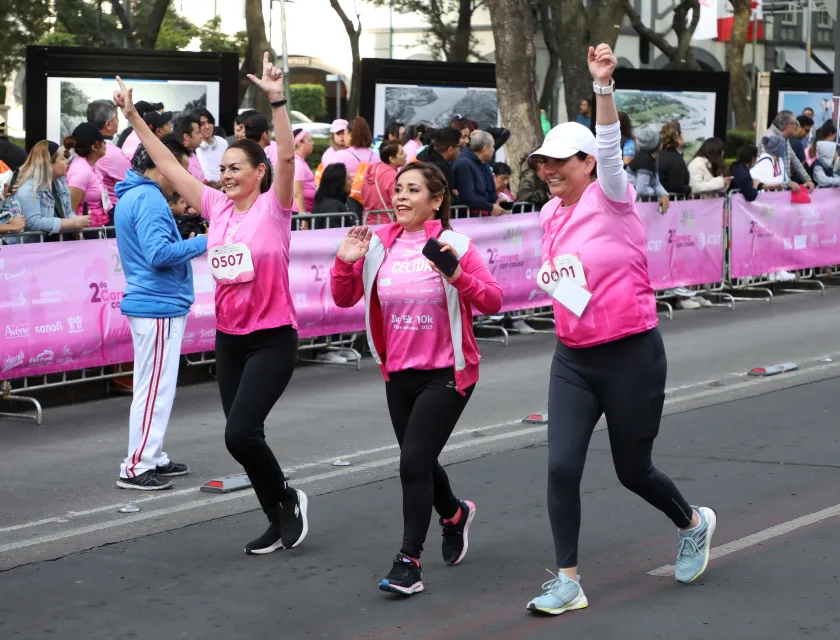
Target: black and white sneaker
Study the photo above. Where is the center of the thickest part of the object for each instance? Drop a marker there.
(172, 469)
(405, 577)
(456, 536)
(293, 522)
(146, 481)
(268, 542)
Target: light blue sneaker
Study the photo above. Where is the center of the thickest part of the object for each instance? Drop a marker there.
(561, 594)
(695, 544)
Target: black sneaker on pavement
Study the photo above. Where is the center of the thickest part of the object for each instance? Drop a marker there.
(146, 481)
(172, 469)
(268, 542)
(405, 577)
(455, 536)
(293, 522)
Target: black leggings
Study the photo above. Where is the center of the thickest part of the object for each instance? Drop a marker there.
(424, 407)
(626, 381)
(253, 371)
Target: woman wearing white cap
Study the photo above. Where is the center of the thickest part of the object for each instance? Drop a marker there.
(610, 358)
(338, 142)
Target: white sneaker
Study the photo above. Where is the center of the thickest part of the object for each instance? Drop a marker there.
(703, 302)
(684, 293)
(347, 354)
(330, 357)
(785, 276)
(688, 303)
(522, 327)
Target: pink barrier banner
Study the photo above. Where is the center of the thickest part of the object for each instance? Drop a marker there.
(771, 234)
(685, 244)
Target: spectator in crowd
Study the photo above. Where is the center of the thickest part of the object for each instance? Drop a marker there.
(43, 196)
(10, 153)
(380, 182)
(465, 126)
(338, 141)
(628, 137)
(112, 168)
(824, 174)
(642, 171)
(239, 125)
(86, 186)
(187, 132)
(786, 125)
(770, 168)
(395, 131)
(585, 115)
(426, 140)
(544, 122)
(304, 178)
(799, 140)
(500, 137)
(212, 147)
(331, 197)
(411, 140)
(258, 130)
(827, 131)
(532, 188)
(706, 168)
(358, 156)
(742, 180)
(443, 151)
(129, 141)
(473, 177)
(673, 173)
(808, 112)
(501, 176)
(189, 222)
(678, 128)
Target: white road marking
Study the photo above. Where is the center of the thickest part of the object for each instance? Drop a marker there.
(761, 536)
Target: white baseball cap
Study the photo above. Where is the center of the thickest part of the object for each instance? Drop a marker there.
(567, 139)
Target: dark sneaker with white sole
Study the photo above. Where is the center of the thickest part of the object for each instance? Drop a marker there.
(405, 577)
(456, 536)
(146, 481)
(172, 469)
(293, 521)
(268, 542)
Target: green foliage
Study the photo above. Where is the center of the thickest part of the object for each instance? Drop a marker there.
(735, 139)
(59, 38)
(212, 39)
(2, 93)
(309, 99)
(83, 21)
(175, 32)
(19, 142)
(314, 158)
(22, 22)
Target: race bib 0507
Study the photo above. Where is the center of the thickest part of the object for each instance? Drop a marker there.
(231, 263)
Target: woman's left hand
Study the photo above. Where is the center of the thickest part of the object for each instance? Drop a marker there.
(271, 82)
(602, 64)
(455, 274)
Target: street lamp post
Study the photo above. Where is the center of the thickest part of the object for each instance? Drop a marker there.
(286, 91)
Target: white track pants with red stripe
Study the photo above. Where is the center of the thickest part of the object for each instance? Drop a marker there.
(157, 353)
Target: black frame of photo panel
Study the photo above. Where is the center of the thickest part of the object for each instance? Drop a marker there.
(419, 72)
(86, 62)
(821, 82)
(671, 80)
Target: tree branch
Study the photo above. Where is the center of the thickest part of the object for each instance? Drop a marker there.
(644, 31)
(349, 27)
(684, 58)
(149, 32)
(125, 23)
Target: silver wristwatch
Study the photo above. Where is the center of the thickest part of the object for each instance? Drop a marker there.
(604, 91)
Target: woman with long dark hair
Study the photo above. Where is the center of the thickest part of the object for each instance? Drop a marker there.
(425, 347)
(332, 195)
(706, 168)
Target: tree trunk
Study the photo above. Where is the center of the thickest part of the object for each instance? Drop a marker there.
(681, 56)
(738, 90)
(257, 45)
(125, 24)
(460, 48)
(571, 22)
(553, 46)
(514, 28)
(148, 33)
(353, 32)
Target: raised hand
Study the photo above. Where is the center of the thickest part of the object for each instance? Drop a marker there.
(355, 244)
(271, 82)
(124, 99)
(602, 64)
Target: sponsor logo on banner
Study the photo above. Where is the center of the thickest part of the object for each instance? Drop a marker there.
(14, 304)
(55, 327)
(831, 240)
(100, 293)
(9, 271)
(75, 324)
(513, 235)
(654, 246)
(687, 219)
(13, 331)
(189, 338)
(13, 362)
(207, 334)
(45, 357)
(49, 297)
(66, 355)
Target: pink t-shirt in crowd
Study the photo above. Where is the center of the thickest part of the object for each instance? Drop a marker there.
(271, 154)
(304, 174)
(353, 157)
(411, 148)
(266, 301)
(112, 168)
(415, 316)
(130, 145)
(195, 168)
(609, 239)
(82, 176)
(328, 157)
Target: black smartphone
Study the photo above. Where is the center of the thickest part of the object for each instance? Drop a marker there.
(14, 179)
(443, 260)
(507, 206)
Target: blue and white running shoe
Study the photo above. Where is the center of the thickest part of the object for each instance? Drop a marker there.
(561, 594)
(695, 545)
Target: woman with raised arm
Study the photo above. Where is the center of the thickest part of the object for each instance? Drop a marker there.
(610, 358)
(256, 338)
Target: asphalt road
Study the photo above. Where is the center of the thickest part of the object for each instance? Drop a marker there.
(763, 453)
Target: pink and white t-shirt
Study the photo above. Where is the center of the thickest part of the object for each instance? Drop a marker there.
(415, 316)
(130, 145)
(609, 240)
(265, 302)
(271, 154)
(195, 168)
(304, 174)
(411, 148)
(82, 176)
(353, 157)
(328, 157)
(112, 168)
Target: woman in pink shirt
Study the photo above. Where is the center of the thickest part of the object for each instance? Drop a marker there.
(419, 329)
(86, 186)
(381, 182)
(338, 141)
(304, 178)
(358, 156)
(610, 358)
(256, 337)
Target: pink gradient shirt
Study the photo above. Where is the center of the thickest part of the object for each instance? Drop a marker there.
(195, 168)
(82, 176)
(609, 239)
(304, 174)
(112, 168)
(265, 302)
(414, 313)
(271, 154)
(353, 157)
(130, 145)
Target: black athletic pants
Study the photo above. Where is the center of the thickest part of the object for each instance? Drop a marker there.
(425, 407)
(253, 371)
(625, 380)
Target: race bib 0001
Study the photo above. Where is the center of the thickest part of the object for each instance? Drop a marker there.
(565, 266)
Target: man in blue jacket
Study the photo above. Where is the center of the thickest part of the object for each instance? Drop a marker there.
(158, 297)
(473, 178)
